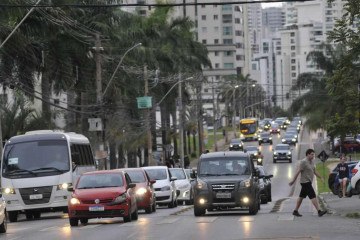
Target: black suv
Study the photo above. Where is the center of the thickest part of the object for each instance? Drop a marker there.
(236, 145)
(226, 180)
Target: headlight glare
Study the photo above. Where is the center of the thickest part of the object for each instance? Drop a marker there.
(141, 191)
(8, 190)
(74, 201)
(64, 186)
(245, 183)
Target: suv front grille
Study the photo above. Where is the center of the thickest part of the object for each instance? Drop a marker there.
(223, 187)
(223, 192)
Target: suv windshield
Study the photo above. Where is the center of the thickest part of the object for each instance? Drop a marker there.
(282, 148)
(228, 166)
(136, 176)
(36, 158)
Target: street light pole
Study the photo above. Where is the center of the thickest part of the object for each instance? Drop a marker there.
(214, 113)
(181, 127)
(234, 111)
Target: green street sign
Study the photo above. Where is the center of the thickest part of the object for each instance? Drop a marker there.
(144, 102)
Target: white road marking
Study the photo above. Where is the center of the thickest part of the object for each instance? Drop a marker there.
(168, 221)
(286, 218)
(206, 219)
(89, 226)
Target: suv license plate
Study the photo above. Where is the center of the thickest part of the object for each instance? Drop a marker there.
(35, 196)
(223, 195)
(96, 208)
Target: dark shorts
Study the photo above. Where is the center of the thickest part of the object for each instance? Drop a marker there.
(307, 191)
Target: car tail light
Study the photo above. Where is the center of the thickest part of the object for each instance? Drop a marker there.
(354, 171)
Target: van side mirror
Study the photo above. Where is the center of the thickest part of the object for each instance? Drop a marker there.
(173, 178)
(70, 189)
(131, 185)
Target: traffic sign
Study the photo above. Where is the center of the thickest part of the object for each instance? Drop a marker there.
(323, 156)
(144, 102)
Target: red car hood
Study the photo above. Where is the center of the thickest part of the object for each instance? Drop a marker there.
(101, 193)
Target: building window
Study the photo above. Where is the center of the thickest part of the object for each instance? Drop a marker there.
(217, 77)
(292, 40)
(237, 20)
(228, 65)
(293, 54)
(227, 7)
(206, 90)
(293, 61)
(216, 41)
(217, 65)
(227, 31)
(202, 5)
(293, 75)
(216, 29)
(204, 41)
(293, 68)
(204, 29)
(203, 17)
(227, 18)
(292, 34)
(228, 41)
(238, 33)
(215, 5)
(142, 12)
(292, 47)
(216, 17)
(216, 53)
(240, 57)
(228, 53)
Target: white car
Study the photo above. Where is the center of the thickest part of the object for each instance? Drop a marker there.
(3, 215)
(165, 189)
(355, 179)
(183, 185)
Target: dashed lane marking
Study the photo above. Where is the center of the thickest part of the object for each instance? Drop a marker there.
(168, 221)
(286, 218)
(277, 205)
(205, 219)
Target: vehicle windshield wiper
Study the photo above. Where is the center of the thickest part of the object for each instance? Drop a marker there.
(230, 174)
(19, 171)
(209, 174)
(49, 168)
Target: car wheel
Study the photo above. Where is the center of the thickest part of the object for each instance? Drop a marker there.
(274, 161)
(176, 203)
(259, 143)
(269, 198)
(74, 222)
(84, 220)
(154, 206)
(199, 211)
(3, 225)
(254, 208)
(135, 215)
(357, 187)
(264, 199)
(290, 161)
(336, 188)
(128, 217)
(148, 209)
(13, 216)
(271, 143)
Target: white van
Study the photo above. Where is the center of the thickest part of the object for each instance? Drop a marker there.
(38, 167)
(165, 189)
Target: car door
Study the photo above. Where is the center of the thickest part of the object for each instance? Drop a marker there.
(131, 192)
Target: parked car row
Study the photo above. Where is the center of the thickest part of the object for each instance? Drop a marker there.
(122, 192)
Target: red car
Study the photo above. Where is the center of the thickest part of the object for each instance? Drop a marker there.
(102, 194)
(275, 129)
(145, 194)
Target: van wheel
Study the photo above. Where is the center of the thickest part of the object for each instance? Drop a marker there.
(13, 216)
(128, 217)
(148, 209)
(28, 215)
(37, 215)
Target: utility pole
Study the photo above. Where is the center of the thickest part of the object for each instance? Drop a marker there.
(99, 99)
(181, 127)
(200, 118)
(148, 125)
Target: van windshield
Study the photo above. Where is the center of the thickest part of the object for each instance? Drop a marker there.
(36, 158)
(228, 166)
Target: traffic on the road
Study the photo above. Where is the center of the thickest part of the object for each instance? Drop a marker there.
(231, 183)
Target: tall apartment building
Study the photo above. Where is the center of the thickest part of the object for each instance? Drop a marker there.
(221, 29)
(306, 25)
(273, 19)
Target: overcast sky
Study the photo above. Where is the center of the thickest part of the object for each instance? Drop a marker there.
(266, 5)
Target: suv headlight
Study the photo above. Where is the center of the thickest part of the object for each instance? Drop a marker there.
(289, 153)
(275, 153)
(231, 145)
(283, 140)
(245, 183)
(8, 190)
(74, 201)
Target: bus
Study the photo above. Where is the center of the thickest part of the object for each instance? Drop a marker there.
(248, 129)
(38, 167)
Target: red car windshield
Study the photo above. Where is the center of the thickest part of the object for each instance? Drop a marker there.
(100, 181)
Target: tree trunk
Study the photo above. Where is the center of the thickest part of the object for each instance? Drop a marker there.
(194, 142)
(188, 142)
(45, 92)
(131, 159)
(121, 157)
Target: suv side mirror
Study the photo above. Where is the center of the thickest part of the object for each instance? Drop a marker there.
(173, 178)
(193, 174)
(70, 189)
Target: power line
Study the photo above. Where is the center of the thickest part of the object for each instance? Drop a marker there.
(144, 4)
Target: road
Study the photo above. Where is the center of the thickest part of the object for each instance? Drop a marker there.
(274, 220)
